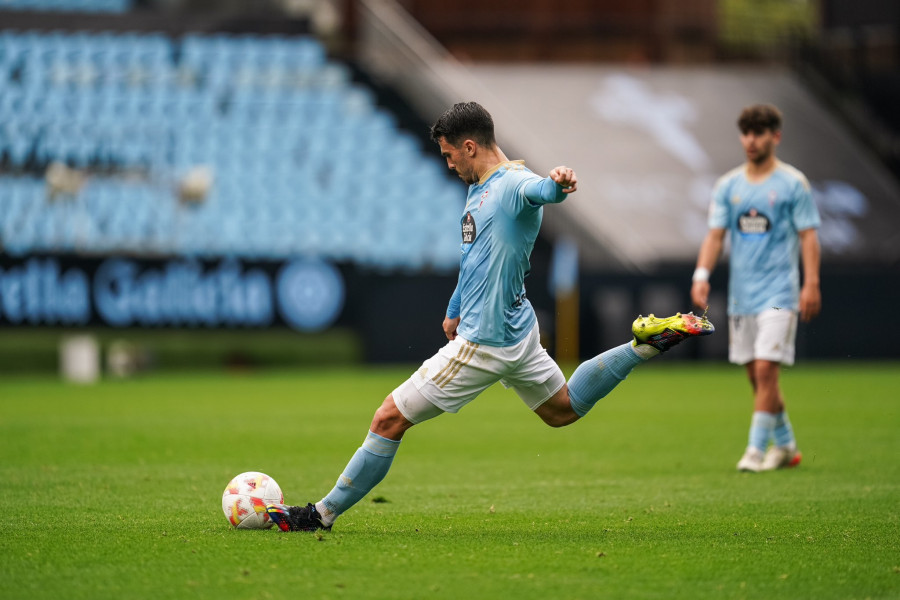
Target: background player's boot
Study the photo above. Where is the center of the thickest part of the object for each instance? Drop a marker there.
(296, 518)
(664, 333)
(751, 460)
(780, 457)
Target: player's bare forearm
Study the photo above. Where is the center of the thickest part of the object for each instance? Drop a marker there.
(710, 249)
(706, 262)
(810, 293)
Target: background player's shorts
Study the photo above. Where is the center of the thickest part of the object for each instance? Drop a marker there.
(461, 370)
(770, 335)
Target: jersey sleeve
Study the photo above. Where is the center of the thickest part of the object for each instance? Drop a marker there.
(454, 305)
(718, 217)
(543, 191)
(804, 213)
(518, 199)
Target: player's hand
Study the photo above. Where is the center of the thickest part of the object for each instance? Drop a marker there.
(700, 294)
(810, 302)
(565, 177)
(450, 326)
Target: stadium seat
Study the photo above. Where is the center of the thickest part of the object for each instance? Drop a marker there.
(84, 6)
(293, 143)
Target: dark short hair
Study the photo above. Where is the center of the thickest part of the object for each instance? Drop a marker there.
(464, 120)
(758, 118)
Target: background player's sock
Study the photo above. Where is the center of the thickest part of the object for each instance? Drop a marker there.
(784, 433)
(761, 426)
(364, 471)
(595, 378)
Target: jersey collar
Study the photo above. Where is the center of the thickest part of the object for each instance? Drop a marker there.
(496, 168)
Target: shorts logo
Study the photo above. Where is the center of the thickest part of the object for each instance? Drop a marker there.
(753, 222)
(468, 229)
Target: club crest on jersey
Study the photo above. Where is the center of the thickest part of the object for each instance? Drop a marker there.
(468, 229)
(484, 196)
(753, 222)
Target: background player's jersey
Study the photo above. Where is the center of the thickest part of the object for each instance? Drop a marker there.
(763, 220)
(499, 227)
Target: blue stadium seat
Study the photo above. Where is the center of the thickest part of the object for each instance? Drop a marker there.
(295, 147)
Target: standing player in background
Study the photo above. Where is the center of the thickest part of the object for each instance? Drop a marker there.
(490, 324)
(767, 208)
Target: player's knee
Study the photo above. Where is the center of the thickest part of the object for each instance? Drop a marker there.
(388, 421)
(557, 412)
(560, 419)
(765, 372)
(386, 414)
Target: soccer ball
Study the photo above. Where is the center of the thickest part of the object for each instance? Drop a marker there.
(244, 500)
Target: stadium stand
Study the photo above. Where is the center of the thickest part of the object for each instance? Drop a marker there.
(286, 154)
(230, 132)
(86, 6)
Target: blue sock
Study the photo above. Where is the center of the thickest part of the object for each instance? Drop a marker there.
(761, 426)
(595, 378)
(784, 433)
(364, 471)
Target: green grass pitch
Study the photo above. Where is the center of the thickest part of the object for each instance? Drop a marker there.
(113, 490)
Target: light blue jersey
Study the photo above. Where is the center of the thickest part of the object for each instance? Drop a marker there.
(763, 220)
(500, 223)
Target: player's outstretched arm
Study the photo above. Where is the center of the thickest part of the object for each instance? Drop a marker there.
(553, 188)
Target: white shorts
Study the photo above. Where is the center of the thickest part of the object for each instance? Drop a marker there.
(461, 370)
(769, 335)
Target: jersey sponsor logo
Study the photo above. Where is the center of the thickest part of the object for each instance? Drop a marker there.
(519, 300)
(468, 229)
(754, 222)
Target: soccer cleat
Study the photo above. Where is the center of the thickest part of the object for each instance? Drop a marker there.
(780, 457)
(751, 460)
(662, 334)
(296, 518)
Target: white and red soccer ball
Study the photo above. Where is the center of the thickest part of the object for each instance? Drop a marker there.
(245, 498)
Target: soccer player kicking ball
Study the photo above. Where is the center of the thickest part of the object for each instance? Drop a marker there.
(768, 210)
(490, 324)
